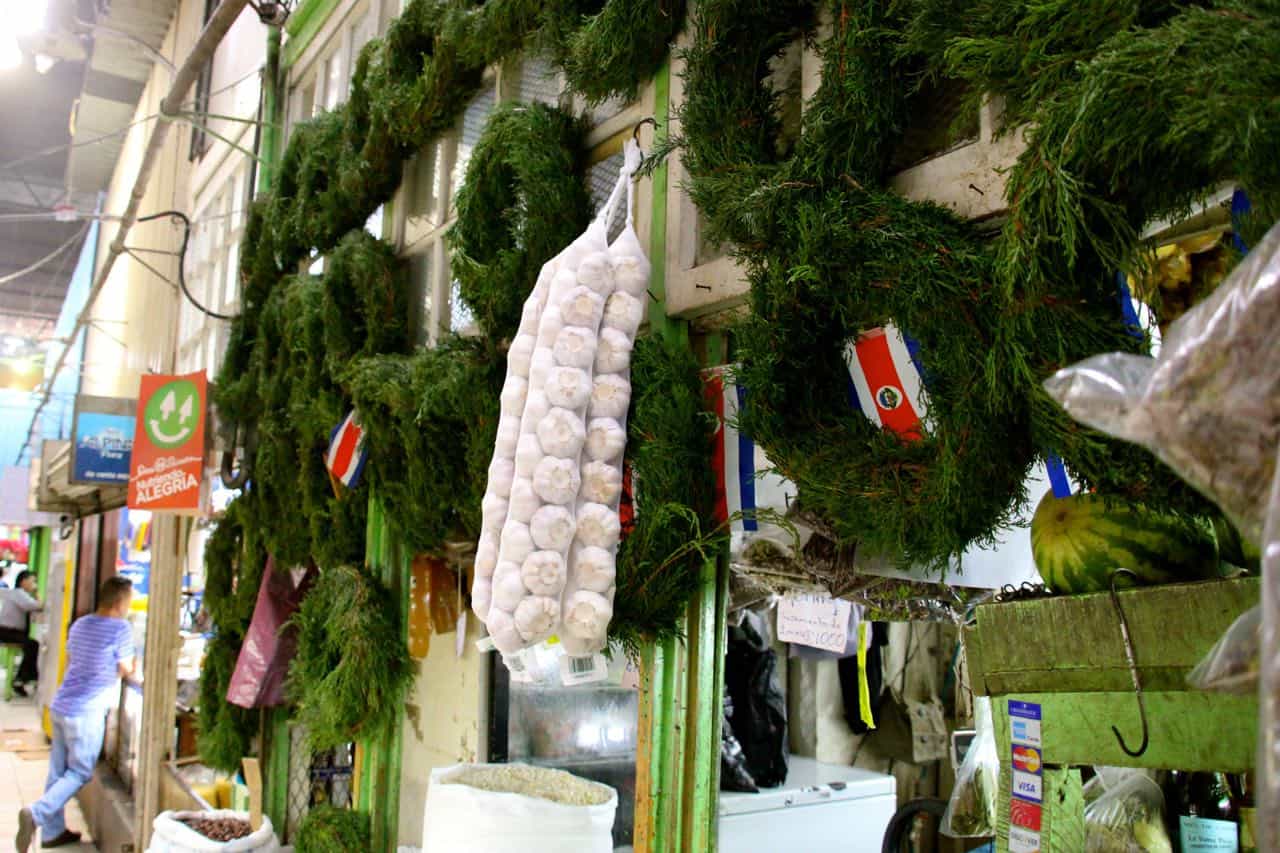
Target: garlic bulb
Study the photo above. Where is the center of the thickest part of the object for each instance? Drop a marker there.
(550, 325)
(481, 595)
(543, 572)
(486, 556)
(605, 438)
(528, 455)
(557, 480)
(536, 406)
(561, 433)
(517, 543)
(631, 275)
(508, 435)
(502, 630)
(587, 614)
(568, 387)
(613, 355)
(540, 366)
(519, 354)
(536, 617)
(493, 511)
(623, 312)
(596, 569)
(508, 587)
(598, 525)
(552, 528)
(513, 395)
(582, 307)
(502, 473)
(601, 482)
(565, 279)
(610, 396)
(575, 346)
(524, 502)
(596, 273)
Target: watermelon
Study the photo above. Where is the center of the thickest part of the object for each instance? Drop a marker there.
(1078, 542)
(1234, 548)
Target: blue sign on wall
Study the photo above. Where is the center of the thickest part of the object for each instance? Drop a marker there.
(102, 441)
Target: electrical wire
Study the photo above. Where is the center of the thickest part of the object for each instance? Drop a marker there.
(14, 276)
(182, 260)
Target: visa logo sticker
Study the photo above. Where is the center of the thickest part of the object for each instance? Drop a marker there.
(1023, 840)
(1025, 815)
(1028, 786)
(1027, 759)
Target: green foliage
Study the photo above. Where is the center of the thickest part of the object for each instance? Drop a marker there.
(224, 731)
(1137, 110)
(669, 452)
(523, 200)
(327, 829)
(352, 668)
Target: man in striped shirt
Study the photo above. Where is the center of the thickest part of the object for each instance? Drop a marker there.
(99, 652)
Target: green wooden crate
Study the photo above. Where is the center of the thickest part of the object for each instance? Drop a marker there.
(1072, 644)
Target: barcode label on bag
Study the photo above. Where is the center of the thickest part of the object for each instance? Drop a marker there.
(518, 668)
(583, 670)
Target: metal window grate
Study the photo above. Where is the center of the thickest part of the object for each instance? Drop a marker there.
(539, 81)
(602, 177)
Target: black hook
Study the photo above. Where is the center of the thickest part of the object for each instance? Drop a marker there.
(635, 133)
(1133, 671)
(231, 478)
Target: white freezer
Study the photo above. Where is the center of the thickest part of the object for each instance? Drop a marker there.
(820, 807)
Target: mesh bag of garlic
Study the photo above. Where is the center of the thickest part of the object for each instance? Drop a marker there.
(546, 559)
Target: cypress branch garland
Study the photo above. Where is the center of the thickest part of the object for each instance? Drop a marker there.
(352, 669)
(522, 201)
(327, 829)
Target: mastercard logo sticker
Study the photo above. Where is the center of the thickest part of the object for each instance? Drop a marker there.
(1027, 759)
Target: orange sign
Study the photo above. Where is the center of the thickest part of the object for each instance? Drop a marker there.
(168, 445)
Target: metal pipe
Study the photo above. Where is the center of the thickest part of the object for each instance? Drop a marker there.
(170, 109)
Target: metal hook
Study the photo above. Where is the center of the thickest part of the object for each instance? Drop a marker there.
(1133, 671)
(635, 133)
(231, 478)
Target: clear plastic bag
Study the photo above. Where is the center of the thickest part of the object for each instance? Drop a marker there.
(1128, 817)
(971, 813)
(1232, 664)
(1209, 406)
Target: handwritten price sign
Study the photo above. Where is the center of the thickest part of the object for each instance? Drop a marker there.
(814, 619)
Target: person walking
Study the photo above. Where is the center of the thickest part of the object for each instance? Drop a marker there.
(100, 652)
(16, 607)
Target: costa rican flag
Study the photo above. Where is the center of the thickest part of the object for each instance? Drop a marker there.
(885, 381)
(347, 452)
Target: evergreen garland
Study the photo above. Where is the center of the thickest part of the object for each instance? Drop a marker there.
(327, 829)
(523, 200)
(224, 733)
(1137, 110)
(352, 668)
(669, 453)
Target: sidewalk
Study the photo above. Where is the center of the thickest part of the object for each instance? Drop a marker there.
(22, 773)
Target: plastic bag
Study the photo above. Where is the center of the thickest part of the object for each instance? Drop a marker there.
(1232, 664)
(734, 775)
(501, 808)
(1209, 406)
(971, 813)
(171, 835)
(1128, 817)
(269, 647)
(758, 715)
(1268, 765)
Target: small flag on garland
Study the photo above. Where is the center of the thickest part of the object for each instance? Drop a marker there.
(347, 452)
(885, 381)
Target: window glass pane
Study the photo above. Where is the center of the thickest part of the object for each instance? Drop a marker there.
(421, 269)
(539, 81)
(336, 86)
(361, 34)
(461, 319)
(423, 196)
(232, 288)
(307, 102)
(602, 177)
(474, 119)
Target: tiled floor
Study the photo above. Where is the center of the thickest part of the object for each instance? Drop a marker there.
(22, 779)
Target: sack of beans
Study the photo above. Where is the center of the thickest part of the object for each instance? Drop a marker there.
(211, 832)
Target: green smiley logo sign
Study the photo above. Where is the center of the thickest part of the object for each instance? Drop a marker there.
(172, 414)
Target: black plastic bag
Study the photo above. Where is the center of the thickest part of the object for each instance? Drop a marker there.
(734, 775)
(758, 715)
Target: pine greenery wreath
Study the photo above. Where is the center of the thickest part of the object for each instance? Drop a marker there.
(669, 453)
(328, 829)
(352, 669)
(831, 252)
(522, 201)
